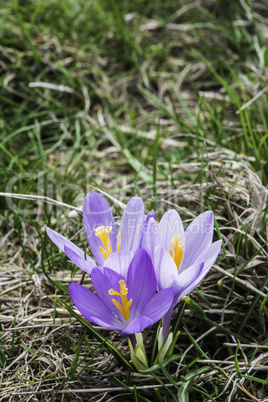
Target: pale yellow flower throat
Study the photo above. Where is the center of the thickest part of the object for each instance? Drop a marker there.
(178, 252)
(124, 308)
(103, 232)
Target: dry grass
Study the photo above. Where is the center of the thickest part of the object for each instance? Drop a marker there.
(81, 110)
(43, 337)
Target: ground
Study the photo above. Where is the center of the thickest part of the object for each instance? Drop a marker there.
(166, 100)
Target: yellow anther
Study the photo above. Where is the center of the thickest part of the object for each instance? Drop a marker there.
(124, 308)
(102, 232)
(178, 252)
(119, 242)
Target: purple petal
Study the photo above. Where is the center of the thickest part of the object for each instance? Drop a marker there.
(186, 280)
(209, 255)
(62, 241)
(170, 225)
(141, 282)
(92, 308)
(137, 325)
(120, 262)
(150, 215)
(97, 212)
(149, 238)
(198, 237)
(85, 264)
(76, 255)
(165, 268)
(131, 225)
(103, 281)
(159, 305)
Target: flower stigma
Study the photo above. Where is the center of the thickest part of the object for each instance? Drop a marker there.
(178, 251)
(124, 308)
(103, 232)
(119, 242)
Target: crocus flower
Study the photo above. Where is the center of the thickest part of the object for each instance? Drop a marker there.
(101, 232)
(126, 298)
(181, 258)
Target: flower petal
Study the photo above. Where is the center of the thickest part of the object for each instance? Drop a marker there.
(159, 305)
(165, 268)
(141, 282)
(131, 225)
(103, 281)
(170, 225)
(76, 255)
(61, 241)
(85, 264)
(137, 325)
(198, 236)
(92, 307)
(150, 215)
(119, 262)
(186, 280)
(209, 256)
(150, 231)
(97, 212)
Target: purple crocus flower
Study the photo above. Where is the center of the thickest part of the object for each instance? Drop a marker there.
(126, 298)
(101, 232)
(181, 258)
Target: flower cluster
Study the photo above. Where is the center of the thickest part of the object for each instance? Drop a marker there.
(141, 271)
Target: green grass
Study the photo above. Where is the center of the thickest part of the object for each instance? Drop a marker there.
(166, 100)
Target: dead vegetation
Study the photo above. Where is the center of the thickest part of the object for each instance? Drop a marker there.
(42, 337)
(82, 109)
